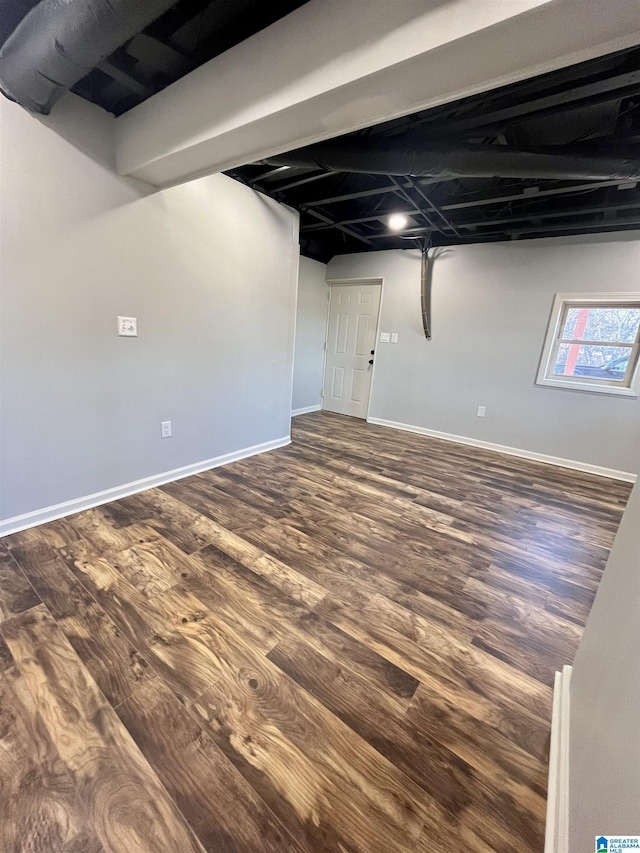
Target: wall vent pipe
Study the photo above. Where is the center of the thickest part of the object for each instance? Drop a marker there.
(371, 156)
(58, 42)
(426, 272)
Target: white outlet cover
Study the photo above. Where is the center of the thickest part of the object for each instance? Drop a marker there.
(128, 327)
(394, 337)
(384, 337)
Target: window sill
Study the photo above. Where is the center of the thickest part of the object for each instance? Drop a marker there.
(592, 387)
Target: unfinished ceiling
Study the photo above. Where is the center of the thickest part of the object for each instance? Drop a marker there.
(118, 53)
(189, 34)
(551, 155)
(587, 113)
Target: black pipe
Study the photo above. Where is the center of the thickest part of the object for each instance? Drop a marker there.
(371, 156)
(59, 41)
(425, 292)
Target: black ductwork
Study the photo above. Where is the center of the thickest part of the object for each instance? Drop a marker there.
(371, 156)
(57, 42)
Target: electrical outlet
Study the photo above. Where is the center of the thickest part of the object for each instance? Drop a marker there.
(128, 327)
(165, 429)
(384, 337)
(394, 337)
(481, 411)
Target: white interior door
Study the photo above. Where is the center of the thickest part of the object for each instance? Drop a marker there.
(351, 336)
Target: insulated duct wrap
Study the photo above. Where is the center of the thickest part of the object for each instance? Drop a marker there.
(371, 156)
(59, 41)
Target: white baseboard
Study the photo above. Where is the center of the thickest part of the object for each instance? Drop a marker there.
(598, 470)
(306, 410)
(50, 513)
(557, 826)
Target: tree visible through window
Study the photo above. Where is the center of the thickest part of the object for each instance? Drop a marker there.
(592, 343)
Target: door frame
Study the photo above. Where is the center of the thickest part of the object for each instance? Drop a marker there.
(344, 282)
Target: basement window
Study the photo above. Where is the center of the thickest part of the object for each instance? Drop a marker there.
(592, 343)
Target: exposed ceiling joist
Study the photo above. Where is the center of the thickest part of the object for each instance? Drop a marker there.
(155, 53)
(511, 220)
(612, 88)
(506, 220)
(121, 75)
(433, 226)
(345, 70)
(355, 196)
(498, 163)
(533, 193)
(563, 108)
(432, 207)
(328, 221)
(380, 216)
(308, 180)
(620, 224)
(273, 173)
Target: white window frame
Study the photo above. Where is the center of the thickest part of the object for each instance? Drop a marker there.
(630, 387)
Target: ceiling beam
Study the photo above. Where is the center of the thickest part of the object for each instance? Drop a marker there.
(628, 222)
(596, 92)
(477, 202)
(530, 193)
(383, 190)
(349, 196)
(521, 196)
(270, 174)
(303, 181)
(423, 213)
(528, 217)
(552, 214)
(524, 217)
(328, 221)
(241, 106)
(120, 75)
(155, 53)
(433, 206)
(381, 215)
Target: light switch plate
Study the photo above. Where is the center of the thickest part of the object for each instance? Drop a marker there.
(128, 327)
(394, 337)
(384, 337)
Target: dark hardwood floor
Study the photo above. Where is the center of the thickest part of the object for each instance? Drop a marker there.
(344, 645)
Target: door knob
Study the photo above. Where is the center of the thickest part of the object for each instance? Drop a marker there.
(370, 361)
(373, 352)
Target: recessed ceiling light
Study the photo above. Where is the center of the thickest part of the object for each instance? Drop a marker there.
(398, 221)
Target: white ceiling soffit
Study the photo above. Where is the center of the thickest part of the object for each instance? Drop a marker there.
(334, 66)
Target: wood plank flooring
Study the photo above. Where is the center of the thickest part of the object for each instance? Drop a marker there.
(345, 645)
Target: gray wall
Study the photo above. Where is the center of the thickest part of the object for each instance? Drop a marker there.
(81, 408)
(311, 328)
(604, 757)
(491, 305)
